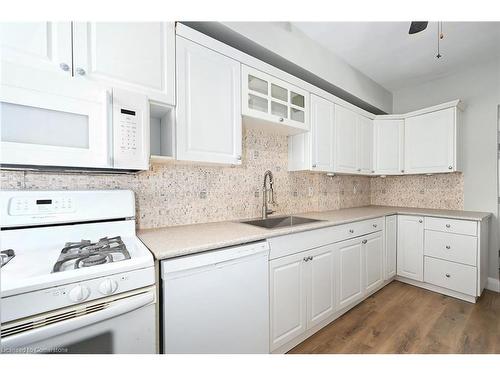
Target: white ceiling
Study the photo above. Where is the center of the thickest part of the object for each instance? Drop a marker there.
(385, 52)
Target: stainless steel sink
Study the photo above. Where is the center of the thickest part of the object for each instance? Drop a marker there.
(280, 221)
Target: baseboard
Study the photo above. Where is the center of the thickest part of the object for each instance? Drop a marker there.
(493, 284)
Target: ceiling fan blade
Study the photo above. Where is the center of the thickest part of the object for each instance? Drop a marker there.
(417, 26)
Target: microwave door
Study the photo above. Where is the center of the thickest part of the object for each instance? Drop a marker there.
(46, 129)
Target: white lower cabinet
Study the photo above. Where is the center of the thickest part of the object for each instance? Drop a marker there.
(391, 246)
(321, 283)
(374, 261)
(288, 298)
(359, 269)
(302, 293)
(349, 260)
(410, 253)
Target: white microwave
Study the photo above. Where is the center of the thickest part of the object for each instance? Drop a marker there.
(73, 126)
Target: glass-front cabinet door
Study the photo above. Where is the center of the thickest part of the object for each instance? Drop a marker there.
(267, 98)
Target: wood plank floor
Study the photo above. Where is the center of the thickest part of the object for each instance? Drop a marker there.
(402, 318)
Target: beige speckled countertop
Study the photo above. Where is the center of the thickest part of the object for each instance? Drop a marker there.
(169, 242)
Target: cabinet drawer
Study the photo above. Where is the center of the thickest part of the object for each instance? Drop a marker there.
(297, 242)
(450, 275)
(451, 246)
(451, 225)
(360, 228)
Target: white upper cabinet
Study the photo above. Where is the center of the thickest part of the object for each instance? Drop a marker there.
(432, 142)
(314, 150)
(276, 104)
(346, 141)
(137, 56)
(208, 105)
(40, 45)
(388, 146)
(322, 124)
(365, 145)
(353, 142)
(410, 249)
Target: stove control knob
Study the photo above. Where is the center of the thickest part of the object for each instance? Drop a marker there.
(79, 293)
(108, 287)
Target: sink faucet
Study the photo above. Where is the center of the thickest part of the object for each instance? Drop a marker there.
(267, 199)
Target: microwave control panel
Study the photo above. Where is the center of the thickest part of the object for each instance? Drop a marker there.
(130, 130)
(128, 123)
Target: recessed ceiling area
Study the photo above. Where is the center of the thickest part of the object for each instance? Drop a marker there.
(385, 52)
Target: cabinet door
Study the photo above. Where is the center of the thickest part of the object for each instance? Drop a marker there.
(365, 145)
(40, 45)
(391, 225)
(389, 146)
(134, 55)
(350, 270)
(410, 251)
(288, 298)
(208, 105)
(322, 123)
(268, 98)
(321, 296)
(345, 140)
(374, 261)
(430, 142)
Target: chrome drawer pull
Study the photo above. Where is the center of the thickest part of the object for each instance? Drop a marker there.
(448, 275)
(448, 225)
(364, 241)
(448, 247)
(374, 225)
(351, 230)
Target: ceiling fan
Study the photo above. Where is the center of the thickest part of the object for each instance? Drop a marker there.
(418, 26)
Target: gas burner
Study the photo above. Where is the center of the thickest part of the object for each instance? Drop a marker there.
(85, 253)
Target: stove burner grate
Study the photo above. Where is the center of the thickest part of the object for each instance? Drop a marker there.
(85, 253)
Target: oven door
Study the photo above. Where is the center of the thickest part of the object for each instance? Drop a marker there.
(124, 324)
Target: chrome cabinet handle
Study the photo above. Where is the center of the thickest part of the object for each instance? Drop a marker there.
(374, 225)
(402, 171)
(359, 169)
(314, 165)
(448, 275)
(373, 171)
(281, 119)
(307, 259)
(420, 221)
(80, 71)
(364, 241)
(238, 157)
(351, 230)
(448, 226)
(448, 247)
(64, 66)
(450, 167)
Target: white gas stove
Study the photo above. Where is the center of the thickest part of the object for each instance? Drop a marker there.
(74, 276)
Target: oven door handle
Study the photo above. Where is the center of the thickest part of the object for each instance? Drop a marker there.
(118, 308)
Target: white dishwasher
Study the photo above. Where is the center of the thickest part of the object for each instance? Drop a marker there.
(217, 302)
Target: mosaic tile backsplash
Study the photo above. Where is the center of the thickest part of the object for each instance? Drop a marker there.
(444, 191)
(178, 193)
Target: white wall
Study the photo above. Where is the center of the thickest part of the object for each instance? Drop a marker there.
(479, 88)
(293, 45)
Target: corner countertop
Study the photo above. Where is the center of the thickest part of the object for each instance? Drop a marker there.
(174, 241)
